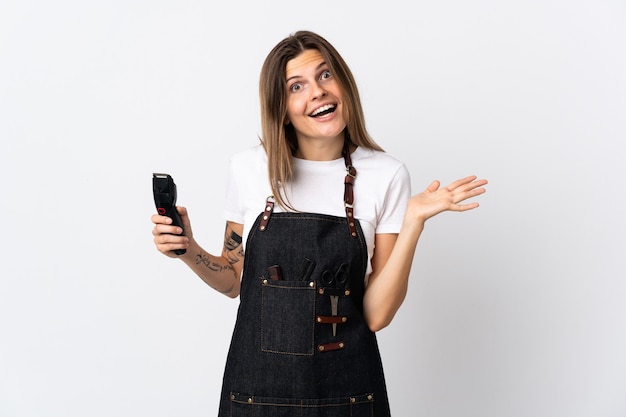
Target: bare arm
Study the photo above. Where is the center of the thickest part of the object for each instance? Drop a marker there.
(221, 272)
(393, 254)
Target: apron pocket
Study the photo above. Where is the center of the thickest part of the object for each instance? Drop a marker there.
(287, 317)
(249, 406)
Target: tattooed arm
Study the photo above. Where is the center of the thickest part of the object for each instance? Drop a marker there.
(220, 272)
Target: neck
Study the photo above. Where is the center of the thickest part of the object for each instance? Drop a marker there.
(320, 151)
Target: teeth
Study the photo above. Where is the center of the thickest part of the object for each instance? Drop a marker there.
(323, 109)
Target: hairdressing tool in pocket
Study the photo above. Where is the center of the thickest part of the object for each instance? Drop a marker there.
(164, 190)
(335, 285)
(306, 269)
(275, 272)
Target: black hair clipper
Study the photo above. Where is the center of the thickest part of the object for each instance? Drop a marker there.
(164, 190)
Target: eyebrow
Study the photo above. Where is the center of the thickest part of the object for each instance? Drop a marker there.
(300, 76)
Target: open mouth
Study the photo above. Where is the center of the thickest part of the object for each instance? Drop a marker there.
(324, 110)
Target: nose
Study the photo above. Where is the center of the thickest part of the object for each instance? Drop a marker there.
(317, 91)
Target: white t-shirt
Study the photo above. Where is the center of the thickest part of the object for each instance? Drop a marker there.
(382, 188)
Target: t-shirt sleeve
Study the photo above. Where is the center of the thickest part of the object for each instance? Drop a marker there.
(395, 202)
(233, 210)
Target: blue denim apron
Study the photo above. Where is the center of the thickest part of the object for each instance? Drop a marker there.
(291, 354)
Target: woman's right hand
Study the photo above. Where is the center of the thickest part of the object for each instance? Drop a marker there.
(167, 237)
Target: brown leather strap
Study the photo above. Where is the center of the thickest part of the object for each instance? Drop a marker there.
(330, 346)
(331, 319)
(269, 208)
(348, 194)
(334, 291)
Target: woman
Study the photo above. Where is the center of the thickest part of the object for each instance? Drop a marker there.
(328, 229)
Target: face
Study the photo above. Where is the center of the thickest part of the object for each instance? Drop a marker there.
(314, 99)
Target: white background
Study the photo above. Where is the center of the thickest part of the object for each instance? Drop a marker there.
(516, 309)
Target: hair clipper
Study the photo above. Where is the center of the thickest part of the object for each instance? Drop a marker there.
(164, 190)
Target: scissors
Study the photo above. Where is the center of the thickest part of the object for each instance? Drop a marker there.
(335, 285)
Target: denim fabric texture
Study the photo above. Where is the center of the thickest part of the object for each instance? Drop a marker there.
(280, 361)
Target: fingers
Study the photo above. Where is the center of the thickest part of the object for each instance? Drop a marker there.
(160, 229)
(464, 189)
(168, 237)
(163, 224)
(464, 207)
(466, 183)
(168, 243)
(435, 200)
(158, 219)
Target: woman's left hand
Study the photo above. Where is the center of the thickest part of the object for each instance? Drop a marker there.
(435, 200)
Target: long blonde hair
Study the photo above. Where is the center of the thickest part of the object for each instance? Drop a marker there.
(279, 139)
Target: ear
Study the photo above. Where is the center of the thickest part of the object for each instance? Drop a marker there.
(286, 122)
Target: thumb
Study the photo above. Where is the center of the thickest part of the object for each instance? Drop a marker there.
(434, 186)
(181, 210)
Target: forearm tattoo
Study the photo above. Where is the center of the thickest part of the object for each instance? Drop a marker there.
(233, 250)
(213, 266)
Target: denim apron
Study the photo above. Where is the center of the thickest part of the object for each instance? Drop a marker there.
(291, 353)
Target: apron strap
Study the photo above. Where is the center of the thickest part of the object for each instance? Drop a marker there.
(348, 194)
(269, 208)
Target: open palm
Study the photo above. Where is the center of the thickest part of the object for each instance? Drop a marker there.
(434, 200)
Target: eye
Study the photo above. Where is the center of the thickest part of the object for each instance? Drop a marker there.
(295, 87)
(326, 75)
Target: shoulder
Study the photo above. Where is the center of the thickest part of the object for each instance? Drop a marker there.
(381, 164)
(373, 156)
(248, 166)
(251, 155)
